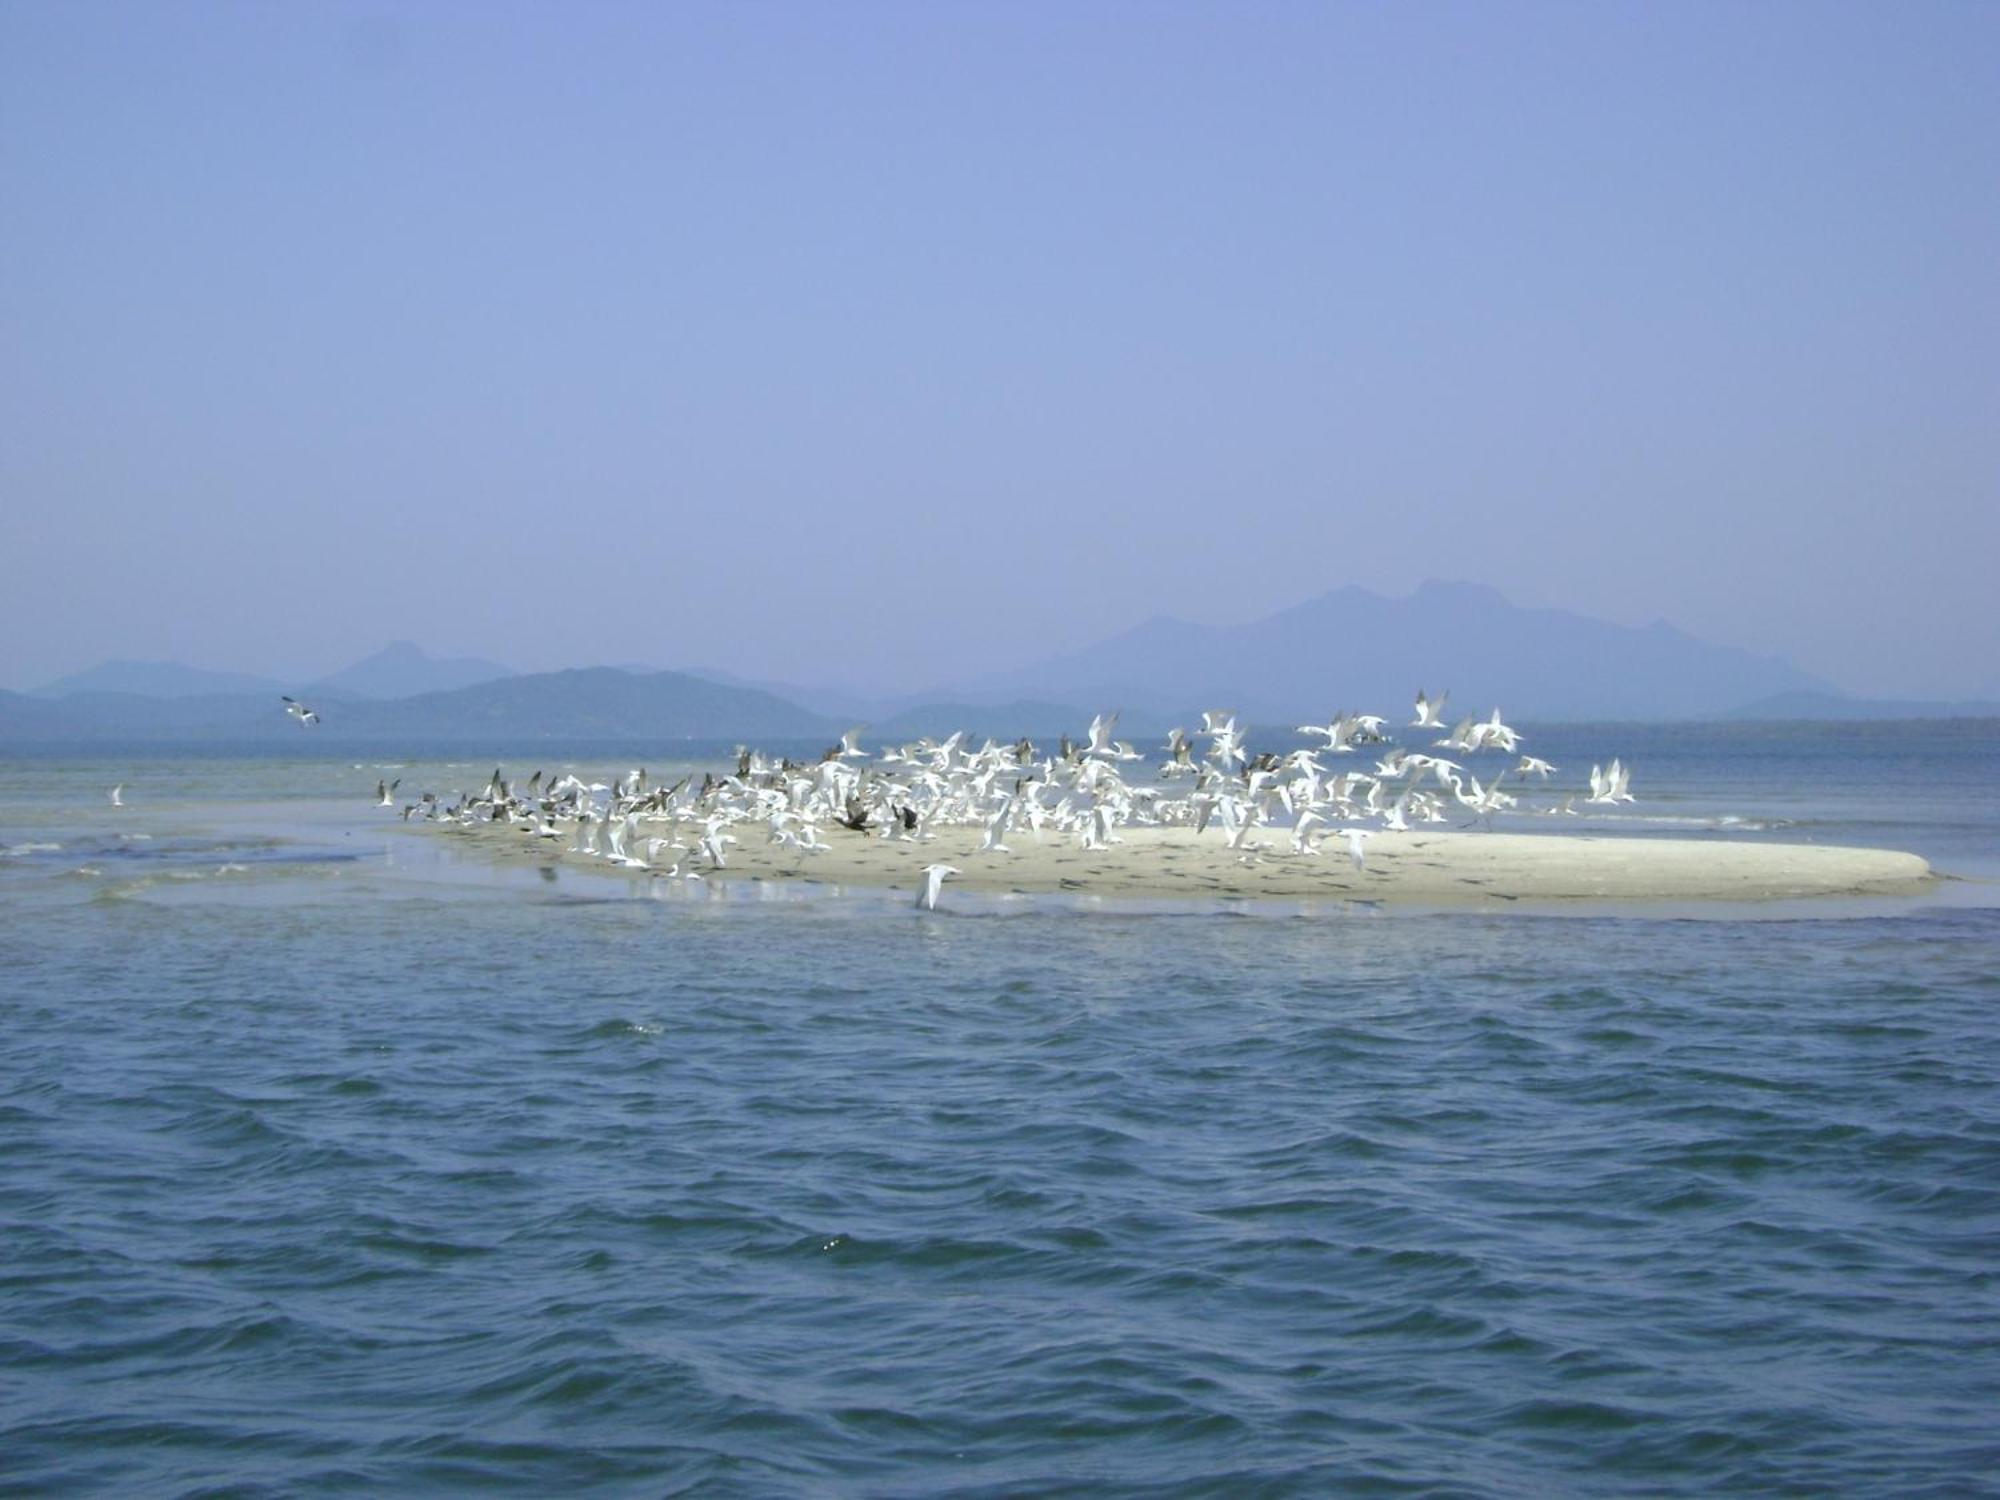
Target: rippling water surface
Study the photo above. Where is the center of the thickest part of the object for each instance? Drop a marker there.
(330, 1164)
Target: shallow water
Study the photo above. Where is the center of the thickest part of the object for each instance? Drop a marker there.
(334, 1161)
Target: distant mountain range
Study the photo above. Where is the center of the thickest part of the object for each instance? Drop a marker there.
(1354, 649)
(1348, 649)
(399, 670)
(155, 679)
(585, 703)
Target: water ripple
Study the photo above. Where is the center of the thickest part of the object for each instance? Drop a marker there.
(355, 1198)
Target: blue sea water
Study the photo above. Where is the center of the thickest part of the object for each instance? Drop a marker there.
(334, 1160)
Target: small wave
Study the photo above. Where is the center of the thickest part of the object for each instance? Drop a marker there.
(1663, 820)
(22, 851)
(1734, 822)
(616, 1028)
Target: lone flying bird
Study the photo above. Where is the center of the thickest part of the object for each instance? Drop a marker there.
(298, 710)
(933, 882)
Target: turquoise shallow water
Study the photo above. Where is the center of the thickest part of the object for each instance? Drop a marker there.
(330, 1164)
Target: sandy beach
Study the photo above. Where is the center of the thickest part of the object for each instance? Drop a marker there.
(1419, 867)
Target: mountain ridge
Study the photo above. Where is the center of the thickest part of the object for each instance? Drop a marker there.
(576, 703)
(154, 679)
(1350, 647)
(403, 669)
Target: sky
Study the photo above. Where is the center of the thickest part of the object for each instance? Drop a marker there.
(887, 344)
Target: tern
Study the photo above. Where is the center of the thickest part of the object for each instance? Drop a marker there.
(1610, 786)
(1355, 838)
(914, 792)
(996, 829)
(117, 795)
(934, 876)
(1100, 736)
(1182, 753)
(1493, 732)
(299, 711)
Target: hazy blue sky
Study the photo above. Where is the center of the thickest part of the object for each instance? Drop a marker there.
(877, 342)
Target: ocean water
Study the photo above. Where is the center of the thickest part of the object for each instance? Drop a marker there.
(335, 1161)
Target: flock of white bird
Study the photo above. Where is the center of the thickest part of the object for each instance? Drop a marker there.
(1084, 791)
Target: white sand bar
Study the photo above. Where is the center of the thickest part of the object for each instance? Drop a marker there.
(1423, 867)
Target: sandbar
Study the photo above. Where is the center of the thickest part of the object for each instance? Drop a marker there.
(1421, 867)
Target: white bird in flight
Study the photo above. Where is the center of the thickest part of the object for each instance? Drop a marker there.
(1355, 838)
(298, 710)
(117, 795)
(934, 876)
(1610, 786)
(919, 791)
(996, 829)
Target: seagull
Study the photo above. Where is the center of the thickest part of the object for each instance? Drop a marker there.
(117, 799)
(1529, 766)
(385, 792)
(1430, 711)
(299, 711)
(933, 882)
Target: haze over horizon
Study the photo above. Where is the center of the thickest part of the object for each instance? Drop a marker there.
(893, 345)
(1428, 590)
